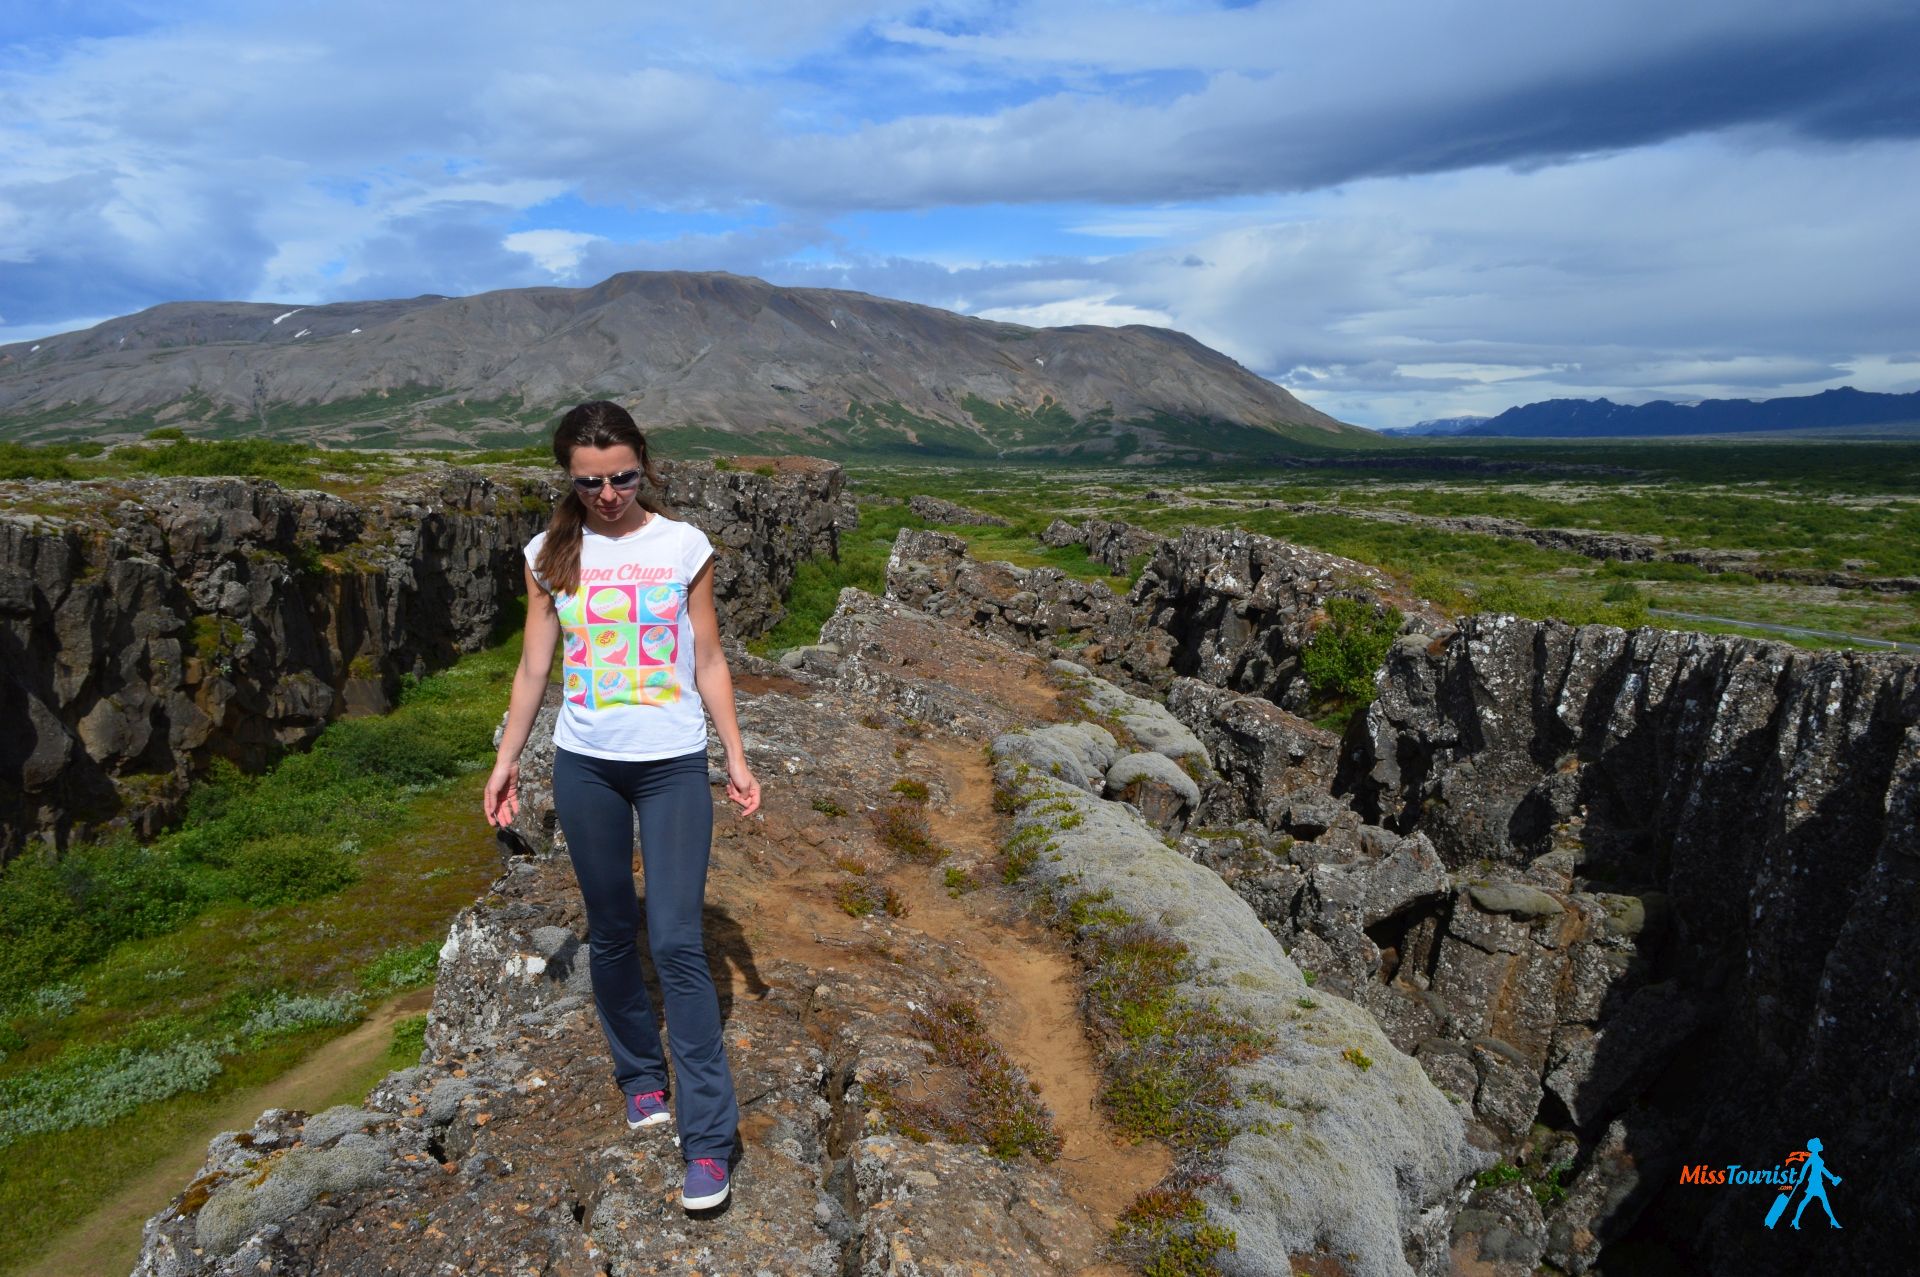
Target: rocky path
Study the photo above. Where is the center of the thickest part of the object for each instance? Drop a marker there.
(505, 1150)
(1035, 1012)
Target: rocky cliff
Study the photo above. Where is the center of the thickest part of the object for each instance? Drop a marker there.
(150, 626)
(1587, 878)
(1230, 607)
(1693, 867)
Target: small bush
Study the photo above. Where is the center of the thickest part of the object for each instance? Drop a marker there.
(1340, 659)
(91, 1086)
(1359, 1059)
(290, 1013)
(1502, 1172)
(903, 828)
(409, 1041)
(828, 807)
(855, 898)
(57, 999)
(399, 969)
(914, 791)
(959, 882)
(1165, 1233)
(288, 868)
(997, 1108)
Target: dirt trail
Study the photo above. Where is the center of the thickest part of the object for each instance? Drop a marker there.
(1039, 1022)
(108, 1240)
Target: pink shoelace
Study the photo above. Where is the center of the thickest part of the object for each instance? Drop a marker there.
(713, 1168)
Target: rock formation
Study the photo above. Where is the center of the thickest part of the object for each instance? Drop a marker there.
(147, 627)
(1583, 876)
(1691, 869)
(1229, 607)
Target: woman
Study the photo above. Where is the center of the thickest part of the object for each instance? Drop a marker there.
(631, 593)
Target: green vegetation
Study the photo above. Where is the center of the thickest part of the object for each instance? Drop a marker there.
(858, 898)
(1164, 1232)
(1345, 652)
(1166, 1057)
(914, 791)
(996, 1108)
(902, 827)
(293, 834)
(160, 991)
(397, 969)
(409, 1040)
(1548, 1184)
(170, 453)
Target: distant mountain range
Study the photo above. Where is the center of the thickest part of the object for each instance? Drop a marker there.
(712, 361)
(1587, 418)
(1443, 425)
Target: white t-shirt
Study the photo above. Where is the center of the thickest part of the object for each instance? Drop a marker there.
(627, 644)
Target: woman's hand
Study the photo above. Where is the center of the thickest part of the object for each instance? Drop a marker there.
(742, 787)
(501, 800)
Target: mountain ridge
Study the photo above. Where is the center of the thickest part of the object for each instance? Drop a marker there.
(714, 354)
(1597, 418)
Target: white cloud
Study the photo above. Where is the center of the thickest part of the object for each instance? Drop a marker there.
(1077, 310)
(558, 252)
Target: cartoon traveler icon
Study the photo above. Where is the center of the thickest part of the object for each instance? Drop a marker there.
(1811, 1186)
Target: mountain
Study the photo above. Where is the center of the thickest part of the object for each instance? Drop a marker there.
(1442, 425)
(1580, 418)
(704, 358)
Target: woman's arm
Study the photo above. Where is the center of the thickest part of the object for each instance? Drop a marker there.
(501, 800)
(715, 680)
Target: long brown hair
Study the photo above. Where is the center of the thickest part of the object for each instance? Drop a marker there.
(599, 424)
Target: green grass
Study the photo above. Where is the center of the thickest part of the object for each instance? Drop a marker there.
(172, 976)
(293, 834)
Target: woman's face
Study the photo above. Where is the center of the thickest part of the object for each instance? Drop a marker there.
(608, 504)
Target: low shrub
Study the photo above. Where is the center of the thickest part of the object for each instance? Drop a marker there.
(397, 969)
(1341, 657)
(997, 1108)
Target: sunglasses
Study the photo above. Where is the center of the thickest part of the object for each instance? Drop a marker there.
(587, 483)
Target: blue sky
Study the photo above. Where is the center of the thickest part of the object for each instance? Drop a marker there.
(1398, 209)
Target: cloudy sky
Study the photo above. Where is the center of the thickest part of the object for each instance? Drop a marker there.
(1397, 208)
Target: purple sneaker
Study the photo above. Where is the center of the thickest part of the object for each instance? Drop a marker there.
(649, 1109)
(706, 1184)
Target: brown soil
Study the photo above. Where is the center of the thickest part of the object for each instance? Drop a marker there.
(108, 1240)
(1038, 1020)
(1034, 1014)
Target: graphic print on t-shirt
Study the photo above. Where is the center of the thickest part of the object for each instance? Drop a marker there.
(620, 644)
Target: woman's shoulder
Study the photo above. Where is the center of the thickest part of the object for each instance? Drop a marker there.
(532, 547)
